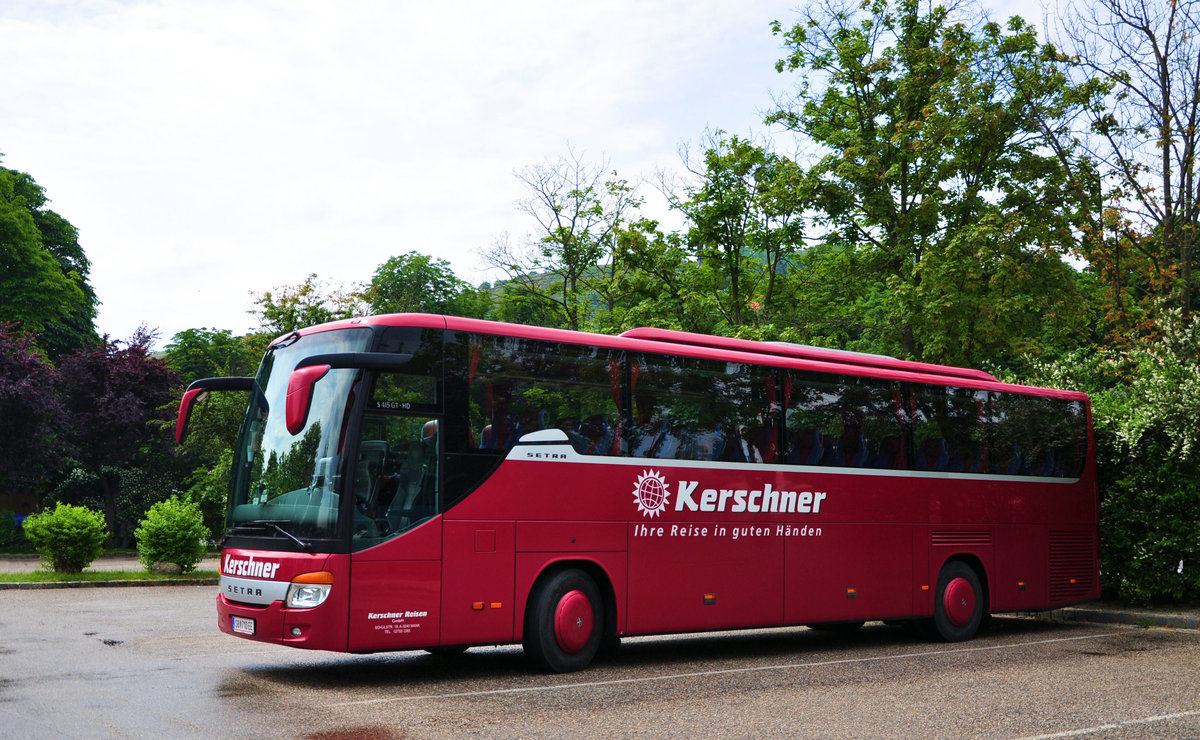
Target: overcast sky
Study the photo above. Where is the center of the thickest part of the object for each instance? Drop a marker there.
(205, 150)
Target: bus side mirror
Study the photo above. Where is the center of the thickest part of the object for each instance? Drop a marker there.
(199, 389)
(190, 397)
(299, 395)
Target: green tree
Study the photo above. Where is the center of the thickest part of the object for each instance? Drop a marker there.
(559, 272)
(207, 353)
(833, 293)
(418, 283)
(43, 272)
(1142, 144)
(208, 489)
(652, 286)
(288, 308)
(214, 424)
(744, 206)
(933, 169)
(61, 239)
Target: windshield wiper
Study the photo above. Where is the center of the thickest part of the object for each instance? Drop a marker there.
(285, 341)
(262, 525)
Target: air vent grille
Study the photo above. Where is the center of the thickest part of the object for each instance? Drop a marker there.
(1072, 566)
(961, 538)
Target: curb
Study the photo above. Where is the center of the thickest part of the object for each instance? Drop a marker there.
(36, 585)
(1128, 617)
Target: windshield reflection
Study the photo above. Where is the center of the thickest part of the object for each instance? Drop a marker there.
(292, 481)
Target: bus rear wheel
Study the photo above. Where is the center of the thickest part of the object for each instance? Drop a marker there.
(958, 605)
(564, 622)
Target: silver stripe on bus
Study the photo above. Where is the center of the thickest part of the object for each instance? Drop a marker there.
(567, 453)
(253, 590)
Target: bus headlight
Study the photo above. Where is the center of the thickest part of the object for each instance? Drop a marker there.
(308, 590)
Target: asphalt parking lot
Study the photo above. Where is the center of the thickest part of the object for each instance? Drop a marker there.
(141, 662)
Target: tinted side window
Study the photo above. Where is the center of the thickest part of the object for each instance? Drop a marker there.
(948, 429)
(691, 409)
(1031, 435)
(519, 386)
(844, 421)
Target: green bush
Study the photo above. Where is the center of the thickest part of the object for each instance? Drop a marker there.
(172, 532)
(1149, 531)
(68, 537)
(1144, 401)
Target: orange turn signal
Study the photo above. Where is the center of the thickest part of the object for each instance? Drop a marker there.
(320, 576)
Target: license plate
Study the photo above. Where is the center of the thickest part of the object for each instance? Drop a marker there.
(243, 625)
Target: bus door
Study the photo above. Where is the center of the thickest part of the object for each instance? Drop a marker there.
(395, 569)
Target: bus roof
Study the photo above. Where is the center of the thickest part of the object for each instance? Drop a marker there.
(701, 345)
(787, 349)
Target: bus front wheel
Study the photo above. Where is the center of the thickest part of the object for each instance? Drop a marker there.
(958, 606)
(564, 622)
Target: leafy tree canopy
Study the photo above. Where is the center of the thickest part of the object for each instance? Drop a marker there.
(43, 271)
(206, 353)
(932, 167)
(289, 308)
(564, 268)
(418, 283)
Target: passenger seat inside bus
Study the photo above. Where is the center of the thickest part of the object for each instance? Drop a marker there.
(806, 449)
(416, 491)
(371, 456)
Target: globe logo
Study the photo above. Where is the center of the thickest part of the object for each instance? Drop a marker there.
(651, 493)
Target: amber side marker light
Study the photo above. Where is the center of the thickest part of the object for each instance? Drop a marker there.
(319, 576)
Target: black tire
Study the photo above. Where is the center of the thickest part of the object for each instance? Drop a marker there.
(958, 605)
(839, 628)
(564, 621)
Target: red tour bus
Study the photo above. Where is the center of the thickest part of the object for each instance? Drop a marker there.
(415, 481)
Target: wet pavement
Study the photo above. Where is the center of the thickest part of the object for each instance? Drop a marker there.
(150, 662)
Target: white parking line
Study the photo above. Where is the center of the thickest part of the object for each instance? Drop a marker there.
(704, 674)
(1115, 725)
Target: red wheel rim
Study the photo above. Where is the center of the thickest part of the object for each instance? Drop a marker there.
(959, 602)
(573, 621)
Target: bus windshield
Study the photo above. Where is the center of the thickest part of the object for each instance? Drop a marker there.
(287, 485)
